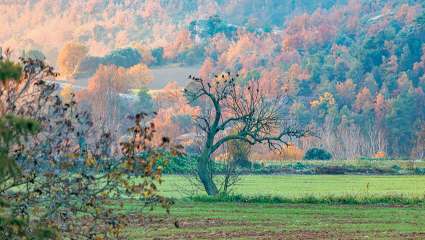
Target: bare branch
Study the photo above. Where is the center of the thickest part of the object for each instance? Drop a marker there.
(236, 113)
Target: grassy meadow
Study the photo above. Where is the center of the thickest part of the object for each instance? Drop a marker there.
(306, 185)
(202, 218)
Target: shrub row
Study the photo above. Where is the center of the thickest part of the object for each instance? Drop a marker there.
(311, 199)
(187, 165)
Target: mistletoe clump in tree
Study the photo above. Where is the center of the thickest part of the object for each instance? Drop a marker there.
(234, 113)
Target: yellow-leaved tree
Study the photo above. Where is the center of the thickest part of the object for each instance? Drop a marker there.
(69, 57)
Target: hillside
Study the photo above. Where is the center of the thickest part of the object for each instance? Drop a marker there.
(106, 25)
(351, 70)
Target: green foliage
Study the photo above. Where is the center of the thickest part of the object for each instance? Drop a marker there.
(158, 55)
(400, 122)
(88, 66)
(207, 28)
(187, 165)
(191, 56)
(145, 101)
(317, 154)
(125, 57)
(35, 54)
(17, 228)
(314, 199)
(13, 130)
(9, 70)
(299, 166)
(180, 165)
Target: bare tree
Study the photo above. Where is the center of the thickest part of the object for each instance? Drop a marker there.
(228, 106)
(343, 140)
(350, 141)
(375, 140)
(418, 151)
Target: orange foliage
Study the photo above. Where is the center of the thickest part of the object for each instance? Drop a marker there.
(219, 43)
(237, 51)
(70, 56)
(321, 26)
(291, 152)
(364, 101)
(293, 76)
(152, 8)
(172, 103)
(270, 81)
(391, 65)
(118, 79)
(108, 78)
(407, 13)
(170, 95)
(66, 93)
(379, 154)
(263, 153)
(288, 56)
(308, 30)
(403, 82)
(380, 107)
(145, 52)
(206, 68)
(181, 43)
(138, 75)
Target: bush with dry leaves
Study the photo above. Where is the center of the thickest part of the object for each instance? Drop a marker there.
(66, 174)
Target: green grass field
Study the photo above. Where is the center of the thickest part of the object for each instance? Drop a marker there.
(232, 220)
(307, 185)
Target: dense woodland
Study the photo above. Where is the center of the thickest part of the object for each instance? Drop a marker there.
(351, 70)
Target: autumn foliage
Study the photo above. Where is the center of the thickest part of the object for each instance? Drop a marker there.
(68, 165)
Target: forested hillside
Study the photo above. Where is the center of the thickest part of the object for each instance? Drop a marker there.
(106, 25)
(351, 70)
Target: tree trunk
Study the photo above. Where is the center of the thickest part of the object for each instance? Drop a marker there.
(205, 175)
